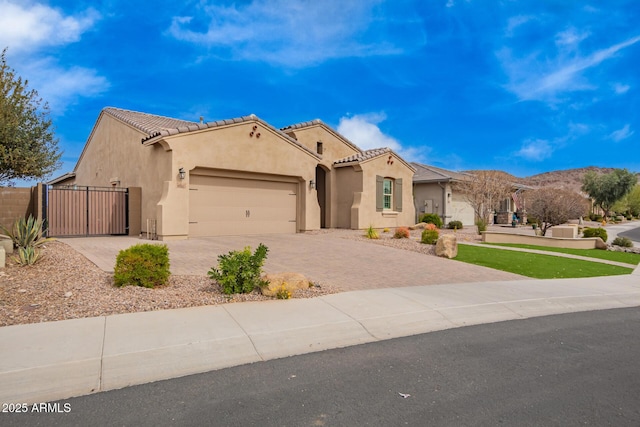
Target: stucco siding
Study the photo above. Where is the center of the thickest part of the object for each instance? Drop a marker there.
(114, 154)
(234, 149)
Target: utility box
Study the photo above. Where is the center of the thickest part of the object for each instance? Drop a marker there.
(567, 232)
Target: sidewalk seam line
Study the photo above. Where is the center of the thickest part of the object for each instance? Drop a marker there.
(104, 338)
(245, 332)
(352, 318)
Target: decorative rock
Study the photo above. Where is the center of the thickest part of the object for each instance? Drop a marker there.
(447, 246)
(6, 243)
(291, 281)
(418, 226)
(68, 294)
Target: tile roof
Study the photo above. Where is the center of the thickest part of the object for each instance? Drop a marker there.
(363, 155)
(147, 123)
(426, 173)
(313, 122)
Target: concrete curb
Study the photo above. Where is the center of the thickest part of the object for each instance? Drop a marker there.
(57, 360)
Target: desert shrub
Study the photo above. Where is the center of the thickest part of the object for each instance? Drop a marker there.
(429, 237)
(386, 230)
(372, 233)
(283, 292)
(595, 217)
(482, 226)
(401, 233)
(595, 232)
(455, 225)
(27, 236)
(238, 272)
(145, 265)
(431, 218)
(624, 242)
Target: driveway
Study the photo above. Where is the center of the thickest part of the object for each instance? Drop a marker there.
(326, 258)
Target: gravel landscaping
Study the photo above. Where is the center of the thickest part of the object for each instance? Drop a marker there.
(65, 285)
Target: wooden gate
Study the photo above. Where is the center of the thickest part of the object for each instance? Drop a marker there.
(86, 211)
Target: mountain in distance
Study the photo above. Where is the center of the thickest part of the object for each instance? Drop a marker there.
(570, 179)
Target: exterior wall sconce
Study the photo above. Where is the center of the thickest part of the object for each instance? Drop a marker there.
(312, 184)
(448, 197)
(182, 173)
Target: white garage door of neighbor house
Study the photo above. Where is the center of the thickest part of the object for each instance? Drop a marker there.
(461, 210)
(231, 206)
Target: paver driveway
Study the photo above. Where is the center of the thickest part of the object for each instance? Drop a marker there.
(326, 258)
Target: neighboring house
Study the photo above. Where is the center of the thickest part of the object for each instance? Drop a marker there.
(243, 176)
(434, 192)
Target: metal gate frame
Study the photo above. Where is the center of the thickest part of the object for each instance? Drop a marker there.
(71, 210)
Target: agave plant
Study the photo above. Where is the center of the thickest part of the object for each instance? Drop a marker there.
(27, 232)
(27, 256)
(27, 236)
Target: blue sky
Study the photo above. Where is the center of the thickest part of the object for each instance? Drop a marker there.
(521, 86)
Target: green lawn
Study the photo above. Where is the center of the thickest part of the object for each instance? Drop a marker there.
(627, 258)
(535, 265)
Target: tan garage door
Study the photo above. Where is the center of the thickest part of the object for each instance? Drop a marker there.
(231, 206)
(461, 210)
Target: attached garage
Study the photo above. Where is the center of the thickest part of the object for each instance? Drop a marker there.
(461, 210)
(234, 206)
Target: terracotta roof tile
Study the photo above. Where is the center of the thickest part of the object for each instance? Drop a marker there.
(363, 155)
(147, 123)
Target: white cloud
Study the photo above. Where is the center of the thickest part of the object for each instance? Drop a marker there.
(514, 22)
(619, 88)
(536, 78)
(363, 130)
(61, 87)
(26, 26)
(293, 33)
(621, 134)
(535, 150)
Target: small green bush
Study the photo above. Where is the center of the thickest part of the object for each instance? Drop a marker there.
(145, 265)
(431, 218)
(401, 233)
(482, 226)
(455, 225)
(595, 232)
(624, 242)
(429, 237)
(238, 272)
(595, 217)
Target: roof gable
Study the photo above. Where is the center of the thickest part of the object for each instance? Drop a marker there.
(327, 128)
(425, 173)
(148, 123)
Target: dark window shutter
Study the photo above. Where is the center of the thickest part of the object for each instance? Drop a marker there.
(379, 195)
(397, 194)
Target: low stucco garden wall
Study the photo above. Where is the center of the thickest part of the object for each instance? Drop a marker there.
(554, 242)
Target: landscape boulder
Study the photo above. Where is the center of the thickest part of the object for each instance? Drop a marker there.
(291, 282)
(447, 246)
(418, 226)
(6, 243)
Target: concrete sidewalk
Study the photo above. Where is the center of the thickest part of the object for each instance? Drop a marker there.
(57, 360)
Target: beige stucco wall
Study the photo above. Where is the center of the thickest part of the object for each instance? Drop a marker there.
(333, 148)
(114, 152)
(363, 200)
(349, 180)
(553, 242)
(454, 208)
(432, 192)
(232, 150)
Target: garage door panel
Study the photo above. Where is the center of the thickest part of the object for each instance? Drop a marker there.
(228, 206)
